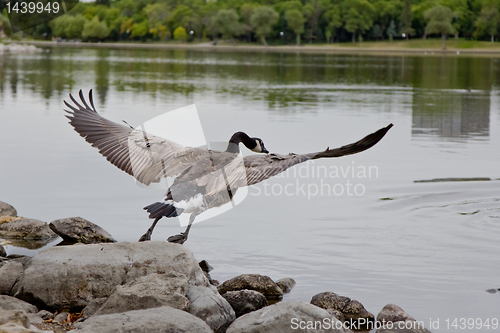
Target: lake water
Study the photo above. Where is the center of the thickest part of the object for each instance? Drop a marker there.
(431, 247)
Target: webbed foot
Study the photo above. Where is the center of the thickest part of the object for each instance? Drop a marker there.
(179, 239)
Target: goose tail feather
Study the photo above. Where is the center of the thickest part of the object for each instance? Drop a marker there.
(162, 209)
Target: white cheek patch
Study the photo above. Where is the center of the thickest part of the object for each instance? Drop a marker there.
(257, 148)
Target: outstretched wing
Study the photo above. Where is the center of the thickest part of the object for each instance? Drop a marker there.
(146, 157)
(258, 168)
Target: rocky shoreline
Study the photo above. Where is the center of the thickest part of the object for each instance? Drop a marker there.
(91, 283)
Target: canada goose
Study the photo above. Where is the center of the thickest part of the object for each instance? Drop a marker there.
(205, 178)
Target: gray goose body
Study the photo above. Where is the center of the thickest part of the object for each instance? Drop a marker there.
(204, 178)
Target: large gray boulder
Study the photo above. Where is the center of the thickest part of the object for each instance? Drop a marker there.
(158, 320)
(12, 303)
(7, 210)
(78, 230)
(27, 229)
(130, 275)
(352, 310)
(261, 283)
(150, 291)
(10, 273)
(282, 317)
(245, 301)
(393, 319)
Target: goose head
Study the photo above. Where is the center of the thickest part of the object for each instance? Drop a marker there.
(254, 144)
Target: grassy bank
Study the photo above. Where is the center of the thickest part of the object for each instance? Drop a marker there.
(416, 46)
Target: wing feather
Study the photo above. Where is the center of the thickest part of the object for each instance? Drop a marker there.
(258, 168)
(146, 157)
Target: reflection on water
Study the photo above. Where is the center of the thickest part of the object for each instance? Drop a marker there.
(281, 80)
(432, 249)
(451, 114)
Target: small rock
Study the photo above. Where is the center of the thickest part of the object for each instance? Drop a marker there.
(3, 253)
(263, 284)
(12, 303)
(157, 320)
(62, 317)
(352, 310)
(79, 230)
(245, 301)
(92, 307)
(7, 210)
(393, 313)
(28, 229)
(45, 315)
(399, 321)
(207, 304)
(286, 317)
(206, 268)
(286, 284)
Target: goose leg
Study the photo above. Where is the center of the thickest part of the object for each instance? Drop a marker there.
(147, 235)
(183, 236)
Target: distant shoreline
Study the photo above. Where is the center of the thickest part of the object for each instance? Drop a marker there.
(319, 49)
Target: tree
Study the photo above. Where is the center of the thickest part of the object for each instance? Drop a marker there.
(377, 31)
(391, 31)
(358, 16)
(180, 34)
(461, 11)
(312, 11)
(387, 10)
(68, 26)
(406, 18)
(94, 29)
(139, 29)
(183, 16)
(227, 23)
(488, 20)
(4, 25)
(263, 19)
(295, 20)
(246, 12)
(439, 22)
(332, 16)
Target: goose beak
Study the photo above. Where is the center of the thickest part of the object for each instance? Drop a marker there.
(265, 151)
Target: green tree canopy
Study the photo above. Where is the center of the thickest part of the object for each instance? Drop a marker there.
(263, 19)
(94, 29)
(139, 29)
(406, 18)
(227, 23)
(358, 16)
(489, 20)
(180, 34)
(386, 10)
(391, 31)
(439, 22)
(332, 16)
(295, 20)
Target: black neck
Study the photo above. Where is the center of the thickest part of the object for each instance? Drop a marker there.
(233, 146)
